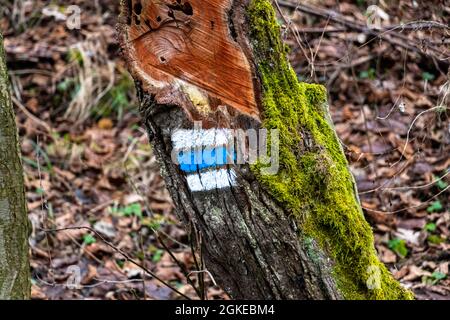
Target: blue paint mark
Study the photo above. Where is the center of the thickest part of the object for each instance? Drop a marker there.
(193, 160)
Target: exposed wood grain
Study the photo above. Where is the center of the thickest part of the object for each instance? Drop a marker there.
(189, 47)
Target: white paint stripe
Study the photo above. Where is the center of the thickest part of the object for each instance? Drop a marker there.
(186, 139)
(210, 180)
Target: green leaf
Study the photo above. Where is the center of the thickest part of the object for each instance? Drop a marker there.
(368, 74)
(438, 275)
(427, 76)
(137, 210)
(152, 224)
(50, 211)
(361, 2)
(30, 162)
(157, 255)
(88, 239)
(75, 55)
(436, 206)
(364, 74)
(66, 85)
(430, 227)
(434, 278)
(132, 209)
(140, 255)
(120, 263)
(434, 239)
(113, 210)
(441, 184)
(398, 246)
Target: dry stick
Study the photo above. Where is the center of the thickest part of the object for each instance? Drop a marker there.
(32, 71)
(410, 128)
(294, 32)
(200, 276)
(101, 206)
(181, 266)
(141, 244)
(363, 113)
(202, 264)
(401, 95)
(147, 205)
(411, 26)
(324, 30)
(191, 245)
(44, 203)
(409, 160)
(340, 68)
(412, 207)
(423, 186)
(156, 232)
(124, 254)
(207, 272)
(399, 171)
(31, 116)
(401, 41)
(82, 286)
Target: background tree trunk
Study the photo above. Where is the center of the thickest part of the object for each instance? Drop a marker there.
(296, 233)
(14, 223)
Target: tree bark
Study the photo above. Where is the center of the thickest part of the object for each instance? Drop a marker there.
(289, 229)
(14, 223)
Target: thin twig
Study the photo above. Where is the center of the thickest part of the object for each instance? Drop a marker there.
(410, 128)
(31, 116)
(412, 207)
(200, 277)
(388, 34)
(180, 265)
(423, 186)
(124, 254)
(84, 286)
(205, 271)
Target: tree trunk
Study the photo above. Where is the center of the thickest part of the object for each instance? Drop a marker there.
(14, 223)
(212, 75)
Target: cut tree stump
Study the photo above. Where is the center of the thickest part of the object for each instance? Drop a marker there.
(214, 85)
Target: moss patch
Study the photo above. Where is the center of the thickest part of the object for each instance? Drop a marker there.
(314, 183)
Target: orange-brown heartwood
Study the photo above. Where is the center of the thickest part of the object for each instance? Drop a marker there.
(190, 41)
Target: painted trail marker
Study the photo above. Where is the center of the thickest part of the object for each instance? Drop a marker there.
(203, 156)
(210, 180)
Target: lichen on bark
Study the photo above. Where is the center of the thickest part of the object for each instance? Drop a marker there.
(314, 183)
(14, 224)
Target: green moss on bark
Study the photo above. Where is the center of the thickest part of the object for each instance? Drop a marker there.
(314, 183)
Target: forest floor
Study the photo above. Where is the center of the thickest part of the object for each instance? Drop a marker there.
(88, 163)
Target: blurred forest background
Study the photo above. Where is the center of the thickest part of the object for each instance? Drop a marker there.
(88, 163)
